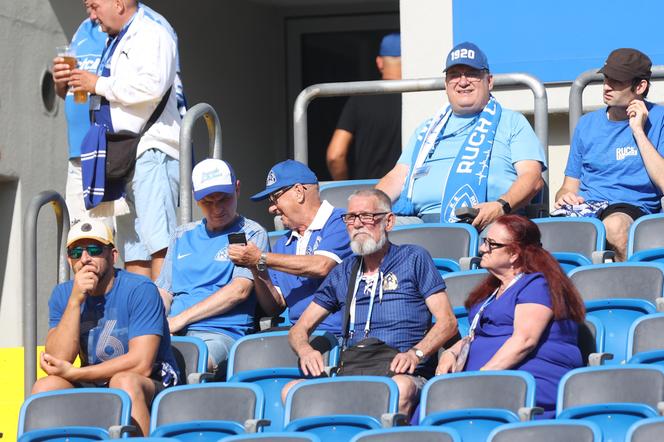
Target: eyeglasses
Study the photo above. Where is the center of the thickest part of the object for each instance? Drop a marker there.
(365, 218)
(274, 197)
(473, 76)
(492, 245)
(92, 249)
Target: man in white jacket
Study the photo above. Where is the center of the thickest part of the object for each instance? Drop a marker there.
(136, 70)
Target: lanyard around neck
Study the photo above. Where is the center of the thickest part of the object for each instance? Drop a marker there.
(377, 282)
(489, 300)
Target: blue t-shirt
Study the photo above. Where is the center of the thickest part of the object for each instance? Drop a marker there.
(132, 308)
(328, 237)
(197, 265)
(604, 156)
(89, 42)
(556, 353)
(401, 318)
(514, 141)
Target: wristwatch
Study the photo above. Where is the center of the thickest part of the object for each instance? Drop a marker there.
(506, 206)
(419, 353)
(261, 265)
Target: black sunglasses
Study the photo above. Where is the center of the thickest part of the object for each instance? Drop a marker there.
(492, 245)
(92, 249)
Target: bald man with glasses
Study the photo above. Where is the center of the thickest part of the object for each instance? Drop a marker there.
(314, 244)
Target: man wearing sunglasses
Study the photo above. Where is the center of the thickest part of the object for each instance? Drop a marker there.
(471, 153)
(206, 295)
(397, 291)
(114, 320)
(315, 243)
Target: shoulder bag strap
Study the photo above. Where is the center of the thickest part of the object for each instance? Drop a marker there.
(349, 297)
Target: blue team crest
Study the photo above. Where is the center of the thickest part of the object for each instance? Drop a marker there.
(464, 197)
(271, 178)
(390, 282)
(222, 254)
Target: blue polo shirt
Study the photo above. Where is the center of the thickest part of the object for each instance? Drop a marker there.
(325, 236)
(197, 265)
(401, 318)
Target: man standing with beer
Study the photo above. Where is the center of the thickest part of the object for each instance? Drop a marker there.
(136, 71)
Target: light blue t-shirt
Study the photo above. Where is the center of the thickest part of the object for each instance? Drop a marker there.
(132, 308)
(515, 141)
(89, 42)
(604, 156)
(197, 265)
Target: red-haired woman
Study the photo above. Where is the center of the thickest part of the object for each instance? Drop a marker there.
(526, 312)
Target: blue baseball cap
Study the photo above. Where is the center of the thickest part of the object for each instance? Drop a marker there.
(468, 54)
(210, 176)
(284, 174)
(390, 46)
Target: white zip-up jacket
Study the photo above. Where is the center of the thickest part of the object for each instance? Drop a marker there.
(142, 69)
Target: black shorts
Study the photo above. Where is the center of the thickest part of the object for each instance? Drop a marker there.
(628, 209)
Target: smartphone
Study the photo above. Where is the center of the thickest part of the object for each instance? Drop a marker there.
(237, 238)
(466, 214)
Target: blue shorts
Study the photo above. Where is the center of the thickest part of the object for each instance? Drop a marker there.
(218, 344)
(152, 195)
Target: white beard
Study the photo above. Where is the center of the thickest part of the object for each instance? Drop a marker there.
(368, 246)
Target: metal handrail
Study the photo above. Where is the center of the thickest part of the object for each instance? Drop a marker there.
(580, 83)
(30, 274)
(187, 148)
(398, 86)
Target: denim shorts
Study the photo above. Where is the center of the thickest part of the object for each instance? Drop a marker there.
(152, 195)
(218, 345)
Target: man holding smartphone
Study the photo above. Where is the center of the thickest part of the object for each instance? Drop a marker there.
(205, 294)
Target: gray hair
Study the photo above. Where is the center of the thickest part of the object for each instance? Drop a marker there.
(384, 202)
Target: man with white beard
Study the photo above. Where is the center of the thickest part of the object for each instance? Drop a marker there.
(396, 292)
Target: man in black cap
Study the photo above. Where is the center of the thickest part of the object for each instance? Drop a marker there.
(615, 168)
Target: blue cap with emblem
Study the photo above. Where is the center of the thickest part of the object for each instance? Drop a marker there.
(468, 54)
(285, 174)
(390, 46)
(210, 176)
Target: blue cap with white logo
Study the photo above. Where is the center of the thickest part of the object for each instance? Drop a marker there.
(468, 54)
(285, 174)
(390, 46)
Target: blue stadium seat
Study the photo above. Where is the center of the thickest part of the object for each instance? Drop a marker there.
(573, 241)
(646, 430)
(97, 412)
(337, 192)
(441, 240)
(210, 411)
(337, 408)
(646, 241)
(591, 340)
(558, 430)
(267, 360)
(410, 434)
(617, 294)
(65, 434)
(645, 342)
(191, 355)
(283, 436)
(474, 403)
(612, 397)
(459, 286)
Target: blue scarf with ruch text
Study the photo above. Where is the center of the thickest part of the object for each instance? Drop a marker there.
(467, 181)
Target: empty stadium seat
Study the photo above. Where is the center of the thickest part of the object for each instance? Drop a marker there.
(646, 239)
(266, 359)
(410, 434)
(645, 341)
(612, 397)
(336, 409)
(558, 430)
(65, 434)
(104, 411)
(212, 411)
(441, 240)
(566, 237)
(646, 430)
(459, 286)
(337, 192)
(282, 436)
(191, 355)
(617, 294)
(474, 403)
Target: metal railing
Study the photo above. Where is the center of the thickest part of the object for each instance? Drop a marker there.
(576, 93)
(30, 274)
(506, 81)
(187, 148)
